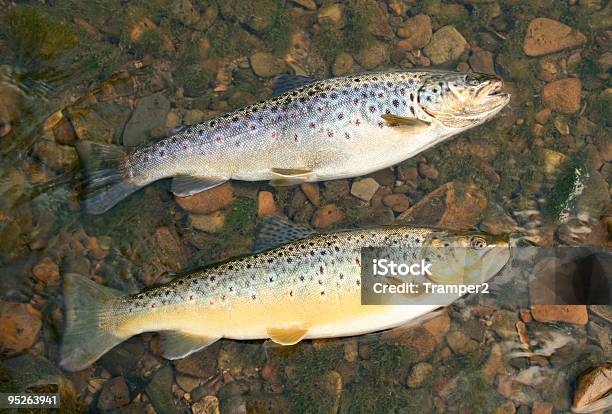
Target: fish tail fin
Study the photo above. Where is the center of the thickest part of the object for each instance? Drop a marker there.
(106, 183)
(88, 333)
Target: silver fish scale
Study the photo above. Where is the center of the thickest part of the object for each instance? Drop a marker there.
(299, 129)
(327, 264)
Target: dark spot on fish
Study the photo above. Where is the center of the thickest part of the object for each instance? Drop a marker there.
(161, 153)
(389, 84)
(372, 109)
(395, 103)
(291, 293)
(321, 269)
(340, 115)
(435, 90)
(357, 80)
(412, 110)
(301, 278)
(253, 297)
(322, 293)
(235, 119)
(387, 111)
(358, 283)
(212, 278)
(334, 96)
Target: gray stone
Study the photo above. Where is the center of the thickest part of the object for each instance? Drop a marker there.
(446, 45)
(374, 55)
(264, 64)
(149, 115)
(159, 391)
(365, 189)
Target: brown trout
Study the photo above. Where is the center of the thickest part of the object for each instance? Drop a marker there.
(313, 130)
(307, 288)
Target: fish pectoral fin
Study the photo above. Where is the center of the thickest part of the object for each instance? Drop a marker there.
(290, 176)
(287, 336)
(291, 172)
(399, 121)
(186, 185)
(177, 344)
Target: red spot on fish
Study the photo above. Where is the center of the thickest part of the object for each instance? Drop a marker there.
(320, 109)
(330, 134)
(357, 122)
(321, 269)
(185, 147)
(380, 95)
(293, 116)
(218, 139)
(295, 136)
(311, 125)
(212, 302)
(253, 127)
(355, 101)
(340, 115)
(274, 135)
(322, 293)
(237, 143)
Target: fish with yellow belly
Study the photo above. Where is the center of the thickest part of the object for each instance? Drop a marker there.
(310, 287)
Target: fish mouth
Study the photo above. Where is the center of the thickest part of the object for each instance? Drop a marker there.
(494, 88)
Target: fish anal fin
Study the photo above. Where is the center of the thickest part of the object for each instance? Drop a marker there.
(177, 344)
(186, 185)
(398, 121)
(287, 336)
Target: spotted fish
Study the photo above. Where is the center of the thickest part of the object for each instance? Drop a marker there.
(306, 288)
(311, 131)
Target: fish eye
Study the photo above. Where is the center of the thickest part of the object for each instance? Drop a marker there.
(471, 80)
(478, 242)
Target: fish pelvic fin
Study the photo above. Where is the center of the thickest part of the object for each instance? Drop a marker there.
(176, 345)
(287, 336)
(88, 331)
(106, 183)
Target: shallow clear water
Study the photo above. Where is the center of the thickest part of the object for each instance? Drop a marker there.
(117, 72)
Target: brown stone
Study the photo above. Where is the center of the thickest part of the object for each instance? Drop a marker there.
(416, 32)
(312, 192)
(563, 95)
(397, 202)
(20, 324)
(547, 36)
(46, 270)
(452, 205)
(576, 314)
(593, 385)
(207, 201)
(438, 326)
(417, 339)
(494, 365)
(542, 408)
(326, 216)
(482, 61)
(543, 116)
(114, 394)
(202, 364)
(266, 204)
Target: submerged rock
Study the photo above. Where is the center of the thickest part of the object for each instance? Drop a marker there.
(446, 45)
(207, 201)
(327, 216)
(576, 314)
(365, 189)
(264, 64)
(159, 391)
(114, 394)
(416, 32)
(563, 95)
(547, 36)
(149, 115)
(20, 324)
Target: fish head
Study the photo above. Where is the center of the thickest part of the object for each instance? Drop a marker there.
(462, 100)
(465, 257)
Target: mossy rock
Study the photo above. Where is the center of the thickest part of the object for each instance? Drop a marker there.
(194, 80)
(38, 36)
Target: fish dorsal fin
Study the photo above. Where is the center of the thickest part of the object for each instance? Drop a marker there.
(176, 344)
(398, 121)
(287, 336)
(286, 83)
(275, 231)
(186, 185)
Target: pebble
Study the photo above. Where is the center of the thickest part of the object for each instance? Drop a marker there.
(57, 157)
(343, 64)
(159, 391)
(416, 32)
(428, 171)
(202, 364)
(593, 385)
(46, 270)
(418, 374)
(351, 350)
(542, 408)
(563, 95)
(20, 324)
(265, 65)
(336, 189)
(311, 190)
(266, 204)
(207, 405)
(365, 189)
(375, 54)
(332, 14)
(149, 115)
(114, 394)
(210, 223)
(460, 343)
(307, 4)
(482, 61)
(207, 201)
(576, 314)
(187, 382)
(446, 45)
(184, 12)
(548, 36)
(494, 365)
(543, 116)
(194, 116)
(418, 339)
(397, 202)
(506, 408)
(326, 216)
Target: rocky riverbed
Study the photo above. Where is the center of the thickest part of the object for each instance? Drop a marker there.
(128, 73)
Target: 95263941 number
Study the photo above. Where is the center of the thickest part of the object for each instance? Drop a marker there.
(27, 400)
